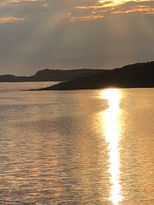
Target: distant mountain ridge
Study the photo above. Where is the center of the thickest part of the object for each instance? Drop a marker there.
(134, 75)
(64, 75)
(51, 75)
(12, 78)
(130, 76)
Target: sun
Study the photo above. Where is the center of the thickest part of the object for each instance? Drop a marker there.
(117, 1)
(112, 3)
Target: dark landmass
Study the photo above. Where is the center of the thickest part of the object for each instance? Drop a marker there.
(51, 75)
(138, 75)
(12, 78)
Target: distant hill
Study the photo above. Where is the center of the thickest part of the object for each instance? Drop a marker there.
(12, 78)
(51, 75)
(130, 76)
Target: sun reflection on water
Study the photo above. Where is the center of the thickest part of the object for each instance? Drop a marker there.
(110, 119)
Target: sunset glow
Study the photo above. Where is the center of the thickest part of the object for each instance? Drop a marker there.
(76, 102)
(112, 3)
(38, 34)
(102, 8)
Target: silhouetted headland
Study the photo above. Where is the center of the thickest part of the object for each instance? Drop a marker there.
(138, 75)
(50, 75)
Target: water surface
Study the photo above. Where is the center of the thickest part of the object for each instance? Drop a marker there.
(76, 147)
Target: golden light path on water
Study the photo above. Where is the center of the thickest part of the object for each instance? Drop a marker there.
(111, 128)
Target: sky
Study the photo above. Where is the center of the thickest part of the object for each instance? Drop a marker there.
(66, 34)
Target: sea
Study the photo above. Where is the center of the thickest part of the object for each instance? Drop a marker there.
(82, 147)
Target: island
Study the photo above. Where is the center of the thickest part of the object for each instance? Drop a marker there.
(139, 75)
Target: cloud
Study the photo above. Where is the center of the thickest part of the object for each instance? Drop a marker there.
(10, 19)
(87, 10)
(143, 7)
(73, 34)
(20, 1)
(103, 8)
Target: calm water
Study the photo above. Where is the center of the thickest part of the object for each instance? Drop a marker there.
(76, 147)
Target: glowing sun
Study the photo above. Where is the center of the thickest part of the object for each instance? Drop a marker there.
(112, 3)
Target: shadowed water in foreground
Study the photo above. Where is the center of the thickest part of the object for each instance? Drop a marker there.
(76, 147)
